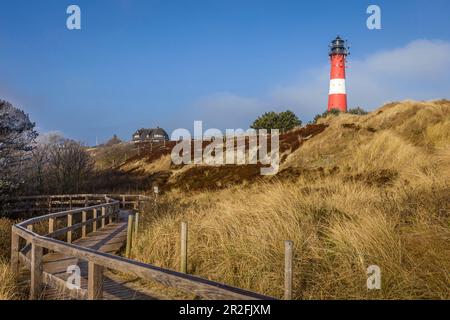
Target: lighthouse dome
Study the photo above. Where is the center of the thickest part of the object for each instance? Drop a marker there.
(338, 47)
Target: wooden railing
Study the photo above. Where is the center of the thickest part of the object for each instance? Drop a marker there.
(33, 205)
(28, 246)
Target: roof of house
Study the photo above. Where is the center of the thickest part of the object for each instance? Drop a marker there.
(151, 133)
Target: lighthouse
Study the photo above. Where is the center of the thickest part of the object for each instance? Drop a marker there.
(337, 97)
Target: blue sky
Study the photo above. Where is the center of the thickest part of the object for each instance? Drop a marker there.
(145, 63)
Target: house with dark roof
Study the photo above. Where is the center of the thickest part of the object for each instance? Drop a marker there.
(155, 135)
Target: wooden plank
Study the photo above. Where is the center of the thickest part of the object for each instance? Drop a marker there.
(73, 227)
(69, 225)
(183, 255)
(136, 223)
(60, 286)
(30, 228)
(83, 221)
(129, 236)
(288, 246)
(36, 271)
(94, 224)
(103, 216)
(15, 246)
(51, 225)
(95, 281)
(64, 213)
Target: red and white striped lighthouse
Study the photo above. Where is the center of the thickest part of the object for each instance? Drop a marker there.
(337, 97)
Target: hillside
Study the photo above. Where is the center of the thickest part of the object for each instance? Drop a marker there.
(363, 190)
(152, 163)
(375, 148)
(352, 191)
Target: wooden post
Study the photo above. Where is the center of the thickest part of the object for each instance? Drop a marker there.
(15, 246)
(288, 245)
(136, 223)
(51, 225)
(94, 224)
(83, 220)
(36, 272)
(129, 235)
(123, 202)
(108, 210)
(95, 281)
(103, 215)
(156, 191)
(30, 228)
(183, 262)
(70, 202)
(69, 224)
(86, 201)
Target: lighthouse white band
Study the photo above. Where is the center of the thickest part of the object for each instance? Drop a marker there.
(337, 86)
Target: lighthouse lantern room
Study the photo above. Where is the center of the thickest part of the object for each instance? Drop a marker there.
(337, 98)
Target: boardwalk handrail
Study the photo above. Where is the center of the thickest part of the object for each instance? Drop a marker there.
(58, 203)
(97, 260)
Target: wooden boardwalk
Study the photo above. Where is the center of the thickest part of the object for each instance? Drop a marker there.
(103, 273)
(110, 239)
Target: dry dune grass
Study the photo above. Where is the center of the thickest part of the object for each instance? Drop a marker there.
(161, 164)
(5, 237)
(8, 284)
(387, 204)
(439, 134)
(236, 236)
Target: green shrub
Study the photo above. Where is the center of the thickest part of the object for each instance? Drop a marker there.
(333, 112)
(358, 111)
(284, 121)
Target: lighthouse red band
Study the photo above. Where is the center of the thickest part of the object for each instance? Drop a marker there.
(337, 96)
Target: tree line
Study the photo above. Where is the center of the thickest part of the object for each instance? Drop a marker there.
(51, 164)
(30, 164)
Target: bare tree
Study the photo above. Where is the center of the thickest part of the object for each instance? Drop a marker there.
(16, 137)
(38, 170)
(58, 165)
(69, 165)
(51, 165)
